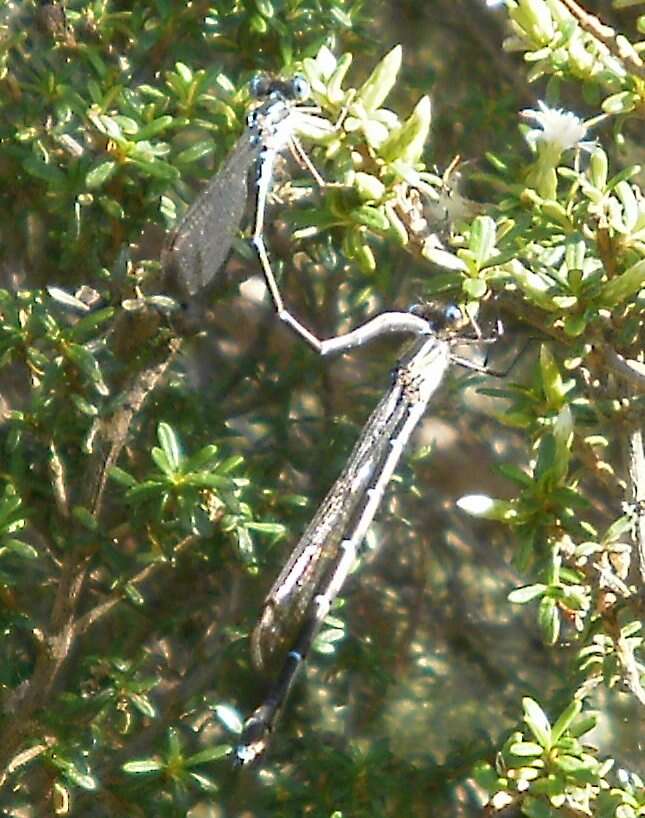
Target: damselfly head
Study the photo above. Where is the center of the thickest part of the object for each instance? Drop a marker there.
(441, 317)
(296, 88)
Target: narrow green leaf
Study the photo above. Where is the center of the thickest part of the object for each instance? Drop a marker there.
(526, 594)
(526, 749)
(155, 127)
(210, 754)
(474, 288)
(161, 460)
(537, 722)
(175, 748)
(583, 725)
(8, 506)
(277, 529)
(381, 81)
(170, 444)
(406, 143)
(229, 717)
(143, 705)
(565, 718)
(443, 258)
(142, 490)
(620, 103)
(210, 481)
(482, 239)
(133, 594)
(22, 549)
(536, 808)
(204, 457)
(203, 782)
(196, 152)
(122, 477)
(84, 406)
(147, 765)
(87, 363)
(372, 217)
(85, 518)
(100, 174)
(551, 379)
(549, 620)
(623, 286)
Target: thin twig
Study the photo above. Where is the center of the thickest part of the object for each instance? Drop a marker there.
(636, 472)
(628, 369)
(59, 487)
(616, 44)
(110, 438)
(84, 622)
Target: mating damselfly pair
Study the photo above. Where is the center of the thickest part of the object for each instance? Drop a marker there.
(305, 590)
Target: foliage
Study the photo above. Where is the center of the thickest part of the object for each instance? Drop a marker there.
(149, 479)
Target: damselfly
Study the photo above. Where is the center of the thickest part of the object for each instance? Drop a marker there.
(199, 245)
(303, 593)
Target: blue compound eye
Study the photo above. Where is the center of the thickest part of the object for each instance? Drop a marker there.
(453, 314)
(259, 86)
(301, 88)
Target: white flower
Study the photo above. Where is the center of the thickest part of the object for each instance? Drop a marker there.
(559, 128)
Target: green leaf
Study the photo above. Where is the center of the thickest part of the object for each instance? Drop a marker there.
(583, 725)
(474, 288)
(155, 127)
(485, 776)
(229, 717)
(208, 755)
(371, 217)
(277, 529)
(487, 508)
(537, 722)
(552, 383)
(196, 152)
(381, 81)
(368, 187)
(161, 460)
(565, 718)
(526, 749)
(170, 444)
(88, 364)
(84, 406)
(620, 103)
(536, 808)
(22, 549)
(143, 704)
(623, 286)
(406, 143)
(526, 594)
(80, 778)
(133, 594)
(147, 488)
(45, 171)
(85, 518)
(209, 481)
(100, 174)
(175, 747)
(482, 239)
(8, 506)
(546, 457)
(549, 620)
(146, 765)
(122, 477)
(203, 782)
(516, 474)
(443, 258)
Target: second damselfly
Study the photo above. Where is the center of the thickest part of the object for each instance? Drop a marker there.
(302, 595)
